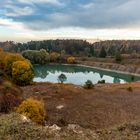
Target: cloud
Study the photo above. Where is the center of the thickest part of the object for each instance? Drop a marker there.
(53, 2)
(16, 11)
(89, 14)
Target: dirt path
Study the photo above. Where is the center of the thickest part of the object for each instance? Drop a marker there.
(104, 106)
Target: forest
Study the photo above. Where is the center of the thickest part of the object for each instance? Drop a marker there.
(76, 47)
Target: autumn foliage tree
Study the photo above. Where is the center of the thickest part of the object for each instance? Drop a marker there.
(54, 56)
(22, 72)
(71, 60)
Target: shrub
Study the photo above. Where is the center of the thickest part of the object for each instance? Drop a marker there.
(33, 109)
(2, 57)
(132, 78)
(130, 89)
(101, 82)
(54, 57)
(88, 84)
(8, 102)
(71, 60)
(22, 72)
(10, 96)
(1, 73)
(9, 60)
(62, 78)
(7, 85)
(118, 57)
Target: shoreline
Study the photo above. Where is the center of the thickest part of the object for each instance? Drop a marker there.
(98, 68)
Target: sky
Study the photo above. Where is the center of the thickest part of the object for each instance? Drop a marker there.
(24, 20)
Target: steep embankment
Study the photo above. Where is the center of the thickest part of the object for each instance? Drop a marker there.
(134, 69)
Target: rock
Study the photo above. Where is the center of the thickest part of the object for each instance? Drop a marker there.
(75, 128)
(25, 119)
(54, 128)
(60, 107)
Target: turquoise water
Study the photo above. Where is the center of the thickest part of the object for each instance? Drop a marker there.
(78, 75)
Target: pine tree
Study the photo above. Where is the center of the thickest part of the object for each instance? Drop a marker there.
(102, 53)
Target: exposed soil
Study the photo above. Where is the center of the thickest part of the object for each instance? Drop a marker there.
(127, 65)
(105, 106)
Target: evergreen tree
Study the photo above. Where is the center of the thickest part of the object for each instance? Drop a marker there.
(102, 53)
(118, 57)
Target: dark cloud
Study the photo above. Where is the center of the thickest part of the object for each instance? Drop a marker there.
(48, 14)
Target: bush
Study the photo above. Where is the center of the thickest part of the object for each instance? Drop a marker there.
(118, 57)
(130, 89)
(7, 85)
(62, 78)
(33, 109)
(71, 60)
(1, 73)
(101, 82)
(2, 57)
(8, 102)
(9, 60)
(10, 96)
(54, 57)
(22, 72)
(88, 84)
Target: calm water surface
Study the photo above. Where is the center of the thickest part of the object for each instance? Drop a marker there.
(78, 75)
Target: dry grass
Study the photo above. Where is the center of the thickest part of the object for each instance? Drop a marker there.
(102, 107)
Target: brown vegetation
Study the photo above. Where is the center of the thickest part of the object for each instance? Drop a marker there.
(104, 106)
(10, 96)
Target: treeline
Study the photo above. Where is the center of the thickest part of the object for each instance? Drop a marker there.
(77, 47)
(112, 47)
(71, 47)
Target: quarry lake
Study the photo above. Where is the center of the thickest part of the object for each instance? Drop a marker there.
(78, 75)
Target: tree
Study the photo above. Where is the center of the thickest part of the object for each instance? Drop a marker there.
(54, 56)
(88, 84)
(62, 78)
(71, 60)
(102, 53)
(118, 57)
(44, 56)
(92, 51)
(22, 72)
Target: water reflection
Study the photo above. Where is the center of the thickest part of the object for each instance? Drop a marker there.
(78, 75)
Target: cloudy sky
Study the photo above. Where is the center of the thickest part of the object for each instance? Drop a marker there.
(23, 20)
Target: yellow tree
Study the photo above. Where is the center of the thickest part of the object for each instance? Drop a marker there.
(71, 60)
(22, 72)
